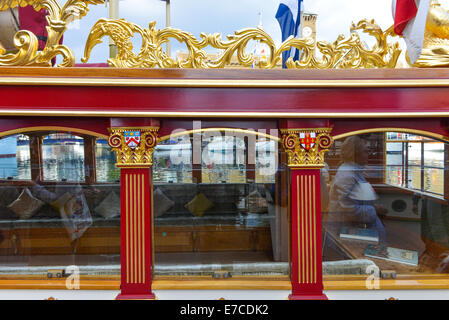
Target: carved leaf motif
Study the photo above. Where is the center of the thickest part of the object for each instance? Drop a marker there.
(58, 18)
(345, 52)
(7, 4)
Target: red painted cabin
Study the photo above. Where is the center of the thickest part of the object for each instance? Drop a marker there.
(221, 206)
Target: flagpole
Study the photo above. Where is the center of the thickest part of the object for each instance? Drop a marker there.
(113, 14)
(167, 23)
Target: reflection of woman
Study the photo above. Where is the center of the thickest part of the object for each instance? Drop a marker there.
(352, 198)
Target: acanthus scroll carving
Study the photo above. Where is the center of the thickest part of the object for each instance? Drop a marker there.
(134, 147)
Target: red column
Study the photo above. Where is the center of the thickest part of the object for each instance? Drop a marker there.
(134, 147)
(306, 259)
(305, 149)
(136, 264)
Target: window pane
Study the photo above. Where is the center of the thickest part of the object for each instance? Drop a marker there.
(172, 161)
(15, 157)
(63, 157)
(414, 177)
(434, 154)
(223, 224)
(395, 175)
(414, 154)
(223, 159)
(393, 225)
(434, 180)
(395, 153)
(56, 224)
(105, 162)
(266, 161)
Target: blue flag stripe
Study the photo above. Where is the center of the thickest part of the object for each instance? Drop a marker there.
(289, 27)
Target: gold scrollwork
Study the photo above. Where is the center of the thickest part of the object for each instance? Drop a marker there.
(140, 156)
(301, 156)
(58, 18)
(343, 53)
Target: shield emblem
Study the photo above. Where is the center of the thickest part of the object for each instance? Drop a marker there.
(307, 139)
(132, 138)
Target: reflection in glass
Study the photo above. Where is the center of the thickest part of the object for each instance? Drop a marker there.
(434, 180)
(63, 157)
(414, 154)
(47, 225)
(15, 157)
(414, 177)
(105, 162)
(172, 161)
(266, 161)
(223, 159)
(225, 223)
(414, 218)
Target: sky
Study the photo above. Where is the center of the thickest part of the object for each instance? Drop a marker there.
(226, 17)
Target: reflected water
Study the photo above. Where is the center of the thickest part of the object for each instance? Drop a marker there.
(63, 159)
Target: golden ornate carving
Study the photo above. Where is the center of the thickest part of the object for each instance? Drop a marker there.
(343, 53)
(58, 18)
(306, 147)
(435, 51)
(142, 154)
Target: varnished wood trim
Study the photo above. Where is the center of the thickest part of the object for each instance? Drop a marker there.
(59, 284)
(231, 284)
(427, 282)
(390, 284)
(272, 74)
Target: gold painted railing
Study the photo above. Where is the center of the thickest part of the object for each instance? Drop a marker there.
(345, 52)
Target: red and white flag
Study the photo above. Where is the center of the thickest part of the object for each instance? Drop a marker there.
(410, 22)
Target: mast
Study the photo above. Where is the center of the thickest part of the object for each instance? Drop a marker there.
(113, 14)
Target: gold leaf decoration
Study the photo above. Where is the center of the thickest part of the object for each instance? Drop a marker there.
(58, 18)
(343, 53)
(300, 156)
(140, 156)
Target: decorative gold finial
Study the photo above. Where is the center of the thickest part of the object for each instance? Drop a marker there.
(306, 147)
(134, 146)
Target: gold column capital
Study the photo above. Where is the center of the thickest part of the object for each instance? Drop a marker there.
(134, 146)
(306, 147)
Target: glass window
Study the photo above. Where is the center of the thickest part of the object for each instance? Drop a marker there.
(172, 161)
(400, 224)
(105, 162)
(63, 219)
(226, 225)
(15, 157)
(63, 157)
(419, 159)
(266, 160)
(223, 159)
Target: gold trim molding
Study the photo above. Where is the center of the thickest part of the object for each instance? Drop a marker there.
(306, 147)
(223, 83)
(403, 130)
(140, 156)
(256, 115)
(75, 131)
